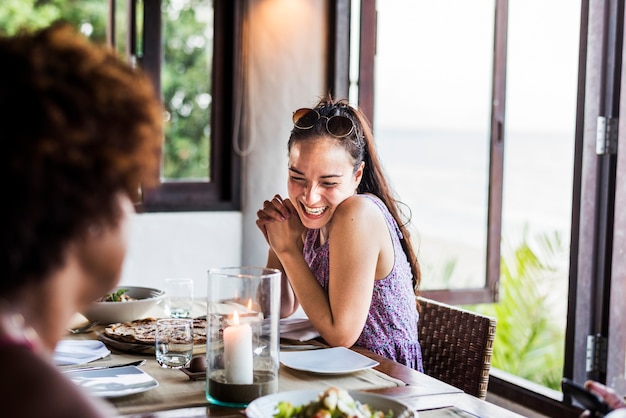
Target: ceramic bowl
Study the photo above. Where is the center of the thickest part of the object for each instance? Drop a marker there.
(110, 312)
(266, 406)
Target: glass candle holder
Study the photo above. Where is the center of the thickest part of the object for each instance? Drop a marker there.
(242, 353)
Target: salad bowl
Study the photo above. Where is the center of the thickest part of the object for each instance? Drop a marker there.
(136, 304)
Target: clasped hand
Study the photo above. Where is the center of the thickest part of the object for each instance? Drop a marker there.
(280, 224)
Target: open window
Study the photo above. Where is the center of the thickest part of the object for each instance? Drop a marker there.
(189, 48)
(456, 113)
(589, 44)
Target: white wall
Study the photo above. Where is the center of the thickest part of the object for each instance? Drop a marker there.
(286, 62)
(181, 244)
(285, 46)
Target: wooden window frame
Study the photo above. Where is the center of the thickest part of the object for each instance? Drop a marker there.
(597, 233)
(597, 287)
(222, 191)
(367, 53)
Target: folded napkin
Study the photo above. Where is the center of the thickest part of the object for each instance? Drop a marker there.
(68, 352)
(297, 328)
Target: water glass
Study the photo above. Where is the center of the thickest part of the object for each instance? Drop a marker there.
(174, 342)
(178, 297)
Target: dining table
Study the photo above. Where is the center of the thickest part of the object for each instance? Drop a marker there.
(181, 394)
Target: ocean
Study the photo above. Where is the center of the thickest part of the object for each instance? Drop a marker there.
(442, 177)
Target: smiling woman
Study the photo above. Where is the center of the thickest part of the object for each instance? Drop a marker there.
(339, 240)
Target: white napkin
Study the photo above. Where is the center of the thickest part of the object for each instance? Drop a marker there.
(69, 352)
(297, 328)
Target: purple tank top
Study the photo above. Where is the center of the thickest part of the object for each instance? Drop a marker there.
(391, 326)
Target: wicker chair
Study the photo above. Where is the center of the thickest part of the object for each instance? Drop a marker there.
(456, 345)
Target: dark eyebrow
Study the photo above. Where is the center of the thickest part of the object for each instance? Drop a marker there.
(327, 176)
(295, 170)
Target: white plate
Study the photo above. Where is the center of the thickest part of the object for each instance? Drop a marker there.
(68, 352)
(114, 382)
(336, 360)
(265, 406)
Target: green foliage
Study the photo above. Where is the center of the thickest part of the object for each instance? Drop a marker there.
(25, 14)
(186, 69)
(529, 340)
(87, 15)
(187, 53)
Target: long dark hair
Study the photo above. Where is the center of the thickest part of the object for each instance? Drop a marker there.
(361, 146)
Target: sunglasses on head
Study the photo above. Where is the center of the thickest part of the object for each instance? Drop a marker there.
(337, 126)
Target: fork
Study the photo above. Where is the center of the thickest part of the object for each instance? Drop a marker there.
(83, 329)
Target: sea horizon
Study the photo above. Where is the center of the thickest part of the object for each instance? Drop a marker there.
(442, 177)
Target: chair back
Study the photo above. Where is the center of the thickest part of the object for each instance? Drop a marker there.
(456, 345)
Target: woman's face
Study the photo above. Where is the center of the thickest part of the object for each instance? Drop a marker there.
(320, 178)
(103, 251)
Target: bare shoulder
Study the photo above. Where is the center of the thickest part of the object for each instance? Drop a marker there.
(359, 208)
(359, 224)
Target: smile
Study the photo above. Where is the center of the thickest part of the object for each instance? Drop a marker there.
(314, 211)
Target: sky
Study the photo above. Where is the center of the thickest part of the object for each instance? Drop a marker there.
(433, 75)
(434, 62)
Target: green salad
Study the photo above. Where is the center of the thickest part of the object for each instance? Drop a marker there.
(332, 403)
(118, 296)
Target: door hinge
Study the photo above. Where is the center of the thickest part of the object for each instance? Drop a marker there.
(596, 354)
(606, 135)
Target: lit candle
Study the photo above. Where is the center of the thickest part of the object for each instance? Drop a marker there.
(238, 352)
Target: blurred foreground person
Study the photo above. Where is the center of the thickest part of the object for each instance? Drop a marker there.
(80, 132)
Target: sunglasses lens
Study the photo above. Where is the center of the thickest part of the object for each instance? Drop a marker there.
(339, 126)
(305, 118)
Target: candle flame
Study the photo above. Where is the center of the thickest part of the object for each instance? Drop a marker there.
(236, 319)
(250, 304)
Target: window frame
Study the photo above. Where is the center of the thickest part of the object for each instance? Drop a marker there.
(367, 53)
(222, 191)
(597, 284)
(596, 280)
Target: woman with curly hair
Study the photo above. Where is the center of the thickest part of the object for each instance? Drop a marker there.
(80, 132)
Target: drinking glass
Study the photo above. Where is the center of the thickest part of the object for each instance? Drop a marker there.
(178, 297)
(174, 342)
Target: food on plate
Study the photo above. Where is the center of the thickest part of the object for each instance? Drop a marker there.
(119, 296)
(142, 331)
(332, 403)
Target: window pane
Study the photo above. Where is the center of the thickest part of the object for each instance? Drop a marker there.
(538, 176)
(432, 118)
(540, 117)
(186, 84)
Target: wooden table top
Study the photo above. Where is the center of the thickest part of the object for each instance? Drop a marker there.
(431, 397)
